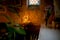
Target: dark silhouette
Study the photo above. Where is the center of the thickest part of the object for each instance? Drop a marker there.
(30, 31)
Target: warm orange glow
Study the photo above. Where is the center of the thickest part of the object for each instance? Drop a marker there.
(26, 19)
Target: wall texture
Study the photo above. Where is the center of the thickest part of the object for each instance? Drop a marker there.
(36, 16)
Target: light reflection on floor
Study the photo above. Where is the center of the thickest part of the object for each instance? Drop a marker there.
(49, 34)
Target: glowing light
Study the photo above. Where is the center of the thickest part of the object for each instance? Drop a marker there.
(26, 19)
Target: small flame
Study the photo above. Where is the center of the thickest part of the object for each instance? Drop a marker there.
(26, 19)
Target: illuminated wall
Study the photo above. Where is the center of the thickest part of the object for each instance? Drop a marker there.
(36, 16)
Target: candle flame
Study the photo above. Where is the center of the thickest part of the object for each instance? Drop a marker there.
(26, 19)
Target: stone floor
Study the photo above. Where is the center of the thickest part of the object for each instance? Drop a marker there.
(49, 34)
